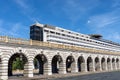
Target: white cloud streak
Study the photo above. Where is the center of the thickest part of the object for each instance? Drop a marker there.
(104, 20)
(13, 29)
(75, 9)
(26, 8)
(22, 4)
(106, 24)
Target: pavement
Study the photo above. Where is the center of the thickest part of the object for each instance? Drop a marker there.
(53, 76)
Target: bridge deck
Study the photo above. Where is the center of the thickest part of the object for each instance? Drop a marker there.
(6, 39)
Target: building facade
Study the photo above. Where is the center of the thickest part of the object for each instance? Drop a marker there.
(47, 33)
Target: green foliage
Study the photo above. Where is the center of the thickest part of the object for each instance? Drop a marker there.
(35, 62)
(18, 64)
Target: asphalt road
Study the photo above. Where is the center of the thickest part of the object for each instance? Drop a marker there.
(98, 76)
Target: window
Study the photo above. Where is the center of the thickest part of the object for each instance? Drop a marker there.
(58, 33)
(52, 32)
(46, 30)
(63, 34)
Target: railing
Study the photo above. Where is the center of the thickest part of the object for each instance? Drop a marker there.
(54, 45)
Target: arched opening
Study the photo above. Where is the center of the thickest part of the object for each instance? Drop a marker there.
(89, 64)
(16, 64)
(113, 63)
(81, 64)
(69, 63)
(117, 63)
(39, 64)
(103, 65)
(56, 62)
(97, 64)
(108, 64)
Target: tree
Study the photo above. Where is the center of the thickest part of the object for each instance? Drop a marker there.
(18, 64)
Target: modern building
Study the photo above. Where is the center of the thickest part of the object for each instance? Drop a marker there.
(48, 33)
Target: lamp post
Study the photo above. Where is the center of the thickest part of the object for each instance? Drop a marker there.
(21, 56)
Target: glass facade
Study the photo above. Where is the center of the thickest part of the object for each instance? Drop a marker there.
(36, 33)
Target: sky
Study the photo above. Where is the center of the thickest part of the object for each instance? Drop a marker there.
(83, 16)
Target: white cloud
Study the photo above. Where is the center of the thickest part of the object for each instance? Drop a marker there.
(104, 20)
(75, 9)
(22, 4)
(26, 8)
(106, 24)
(13, 29)
(113, 36)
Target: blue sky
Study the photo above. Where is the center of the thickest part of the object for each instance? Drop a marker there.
(84, 16)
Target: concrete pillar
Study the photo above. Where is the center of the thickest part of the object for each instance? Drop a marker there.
(48, 68)
(28, 69)
(62, 68)
(74, 67)
(4, 70)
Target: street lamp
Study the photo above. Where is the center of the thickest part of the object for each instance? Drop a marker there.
(21, 57)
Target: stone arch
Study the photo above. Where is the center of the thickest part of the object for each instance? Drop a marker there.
(108, 64)
(97, 64)
(40, 62)
(117, 63)
(89, 64)
(5, 61)
(22, 58)
(56, 63)
(103, 63)
(113, 64)
(70, 63)
(81, 64)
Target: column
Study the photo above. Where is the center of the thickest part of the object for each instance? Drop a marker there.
(93, 65)
(111, 67)
(106, 66)
(100, 66)
(119, 64)
(62, 68)
(28, 69)
(74, 67)
(48, 68)
(84, 67)
(115, 65)
(4, 70)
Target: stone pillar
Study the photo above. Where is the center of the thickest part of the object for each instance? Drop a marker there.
(62, 68)
(4, 70)
(100, 66)
(48, 68)
(111, 67)
(115, 65)
(93, 66)
(84, 67)
(28, 69)
(119, 64)
(74, 67)
(106, 66)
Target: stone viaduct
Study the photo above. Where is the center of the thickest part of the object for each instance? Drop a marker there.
(54, 58)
